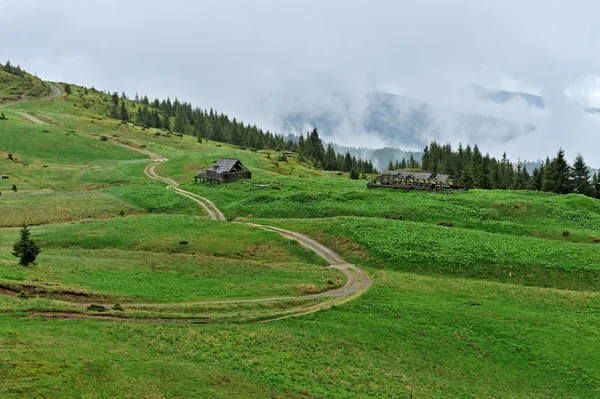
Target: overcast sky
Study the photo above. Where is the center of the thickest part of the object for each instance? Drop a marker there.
(257, 59)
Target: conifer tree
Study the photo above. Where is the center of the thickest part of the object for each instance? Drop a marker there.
(26, 249)
(123, 115)
(114, 112)
(596, 185)
(181, 121)
(165, 122)
(330, 160)
(561, 172)
(580, 177)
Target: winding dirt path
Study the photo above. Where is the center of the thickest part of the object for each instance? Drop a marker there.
(357, 280)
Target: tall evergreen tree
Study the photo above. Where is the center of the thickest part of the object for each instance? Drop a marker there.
(596, 185)
(580, 177)
(181, 121)
(123, 114)
(561, 172)
(330, 160)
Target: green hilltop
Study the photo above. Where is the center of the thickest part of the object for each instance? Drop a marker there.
(16, 84)
(481, 293)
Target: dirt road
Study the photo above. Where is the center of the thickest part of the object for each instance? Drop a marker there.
(357, 280)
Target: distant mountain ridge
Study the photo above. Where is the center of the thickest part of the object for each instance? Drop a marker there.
(503, 97)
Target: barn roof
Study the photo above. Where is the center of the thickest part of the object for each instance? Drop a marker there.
(224, 165)
(417, 175)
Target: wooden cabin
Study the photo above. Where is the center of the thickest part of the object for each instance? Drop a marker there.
(415, 181)
(226, 170)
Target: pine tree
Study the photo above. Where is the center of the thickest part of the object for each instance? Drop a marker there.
(425, 159)
(317, 150)
(114, 112)
(123, 115)
(466, 176)
(26, 249)
(596, 185)
(347, 162)
(67, 88)
(181, 121)
(330, 160)
(561, 173)
(165, 122)
(580, 177)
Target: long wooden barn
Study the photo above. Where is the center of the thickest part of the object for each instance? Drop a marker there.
(226, 170)
(416, 181)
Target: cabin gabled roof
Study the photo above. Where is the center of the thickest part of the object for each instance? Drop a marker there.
(225, 165)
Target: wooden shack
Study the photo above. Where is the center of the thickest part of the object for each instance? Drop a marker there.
(226, 170)
(416, 181)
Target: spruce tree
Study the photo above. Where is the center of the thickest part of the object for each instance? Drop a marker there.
(181, 121)
(123, 115)
(67, 88)
(580, 177)
(561, 172)
(330, 160)
(596, 185)
(26, 249)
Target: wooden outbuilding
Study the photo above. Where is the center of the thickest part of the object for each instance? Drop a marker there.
(226, 170)
(416, 181)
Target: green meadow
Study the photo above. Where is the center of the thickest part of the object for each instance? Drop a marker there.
(476, 294)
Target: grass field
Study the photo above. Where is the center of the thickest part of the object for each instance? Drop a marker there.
(478, 294)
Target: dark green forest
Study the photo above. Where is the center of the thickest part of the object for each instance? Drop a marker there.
(207, 124)
(482, 171)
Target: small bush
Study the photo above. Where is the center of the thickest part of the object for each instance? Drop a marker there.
(447, 224)
(103, 138)
(184, 242)
(14, 188)
(566, 233)
(118, 307)
(96, 308)
(23, 295)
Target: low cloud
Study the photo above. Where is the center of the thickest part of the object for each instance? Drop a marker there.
(258, 60)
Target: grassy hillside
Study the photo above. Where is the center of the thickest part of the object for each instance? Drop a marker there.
(486, 294)
(17, 86)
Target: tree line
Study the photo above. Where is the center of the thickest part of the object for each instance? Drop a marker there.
(8, 67)
(482, 171)
(208, 124)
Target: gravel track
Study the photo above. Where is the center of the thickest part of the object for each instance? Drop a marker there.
(358, 281)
